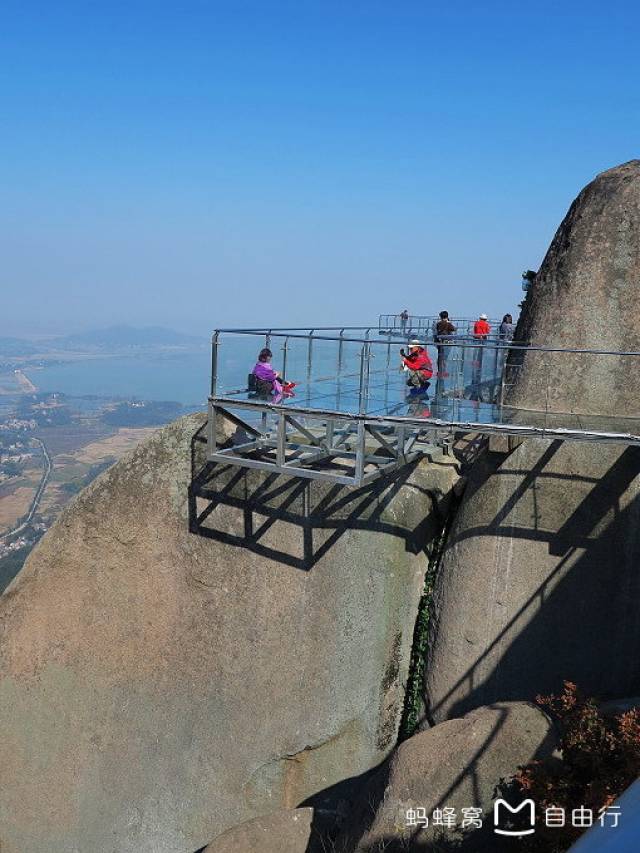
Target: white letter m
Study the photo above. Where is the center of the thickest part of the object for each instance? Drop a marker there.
(524, 804)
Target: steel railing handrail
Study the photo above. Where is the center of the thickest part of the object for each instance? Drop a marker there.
(453, 342)
(396, 318)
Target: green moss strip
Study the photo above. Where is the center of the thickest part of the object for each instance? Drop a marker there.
(413, 705)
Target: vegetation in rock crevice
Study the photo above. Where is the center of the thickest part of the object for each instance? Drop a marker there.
(413, 704)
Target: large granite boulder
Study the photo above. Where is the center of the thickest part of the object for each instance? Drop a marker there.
(456, 765)
(539, 579)
(587, 296)
(189, 648)
(283, 831)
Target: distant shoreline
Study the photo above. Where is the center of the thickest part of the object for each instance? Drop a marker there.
(48, 358)
(182, 377)
(26, 385)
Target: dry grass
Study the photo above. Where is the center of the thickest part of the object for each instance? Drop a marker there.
(15, 505)
(52, 499)
(125, 439)
(15, 499)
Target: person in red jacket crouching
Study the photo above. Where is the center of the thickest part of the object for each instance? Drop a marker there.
(418, 363)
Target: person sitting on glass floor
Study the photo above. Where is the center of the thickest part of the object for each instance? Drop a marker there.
(268, 381)
(418, 363)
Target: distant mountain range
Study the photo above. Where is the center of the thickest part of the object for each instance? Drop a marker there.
(129, 336)
(16, 347)
(110, 338)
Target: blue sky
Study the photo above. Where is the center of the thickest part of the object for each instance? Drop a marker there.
(229, 163)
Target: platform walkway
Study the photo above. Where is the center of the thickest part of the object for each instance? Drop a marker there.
(352, 419)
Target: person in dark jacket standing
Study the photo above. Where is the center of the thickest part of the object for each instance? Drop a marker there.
(444, 330)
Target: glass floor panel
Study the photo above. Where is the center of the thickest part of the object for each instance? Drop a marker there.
(449, 399)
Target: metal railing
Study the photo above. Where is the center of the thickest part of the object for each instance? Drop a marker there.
(425, 324)
(352, 404)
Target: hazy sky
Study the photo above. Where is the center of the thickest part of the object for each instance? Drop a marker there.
(229, 163)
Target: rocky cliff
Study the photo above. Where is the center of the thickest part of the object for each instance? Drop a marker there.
(585, 296)
(539, 578)
(191, 647)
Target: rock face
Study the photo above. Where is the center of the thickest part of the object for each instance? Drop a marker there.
(587, 296)
(284, 831)
(457, 764)
(539, 579)
(173, 663)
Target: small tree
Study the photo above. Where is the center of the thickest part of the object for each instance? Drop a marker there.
(600, 759)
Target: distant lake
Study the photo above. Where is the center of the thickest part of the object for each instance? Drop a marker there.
(182, 377)
(185, 377)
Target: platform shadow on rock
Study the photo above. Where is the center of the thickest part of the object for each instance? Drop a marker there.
(580, 614)
(257, 510)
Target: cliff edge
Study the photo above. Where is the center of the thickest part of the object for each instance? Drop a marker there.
(175, 660)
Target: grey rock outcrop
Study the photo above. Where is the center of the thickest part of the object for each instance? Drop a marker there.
(284, 831)
(176, 662)
(457, 764)
(587, 296)
(539, 579)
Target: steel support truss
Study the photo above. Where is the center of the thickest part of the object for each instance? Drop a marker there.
(338, 448)
(351, 449)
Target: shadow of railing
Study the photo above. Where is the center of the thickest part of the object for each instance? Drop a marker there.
(576, 604)
(243, 507)
(316, 515)
(371, 794)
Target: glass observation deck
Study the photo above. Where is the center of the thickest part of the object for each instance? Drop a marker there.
(425, 324)
(352, 415)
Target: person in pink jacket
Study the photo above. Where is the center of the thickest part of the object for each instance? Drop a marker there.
(269, 380)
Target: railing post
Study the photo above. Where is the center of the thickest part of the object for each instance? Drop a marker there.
(215, 343)
(329, 432)
(503, 375)
(363, 389)
(281, 443)
(309, 354)
(340, 351)
(212, 442)
(360, 452)
(339, 371)
(285, 349)
(309, 362)
(369, 356)
(363, 398)
(463, 357)
(387, 375)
